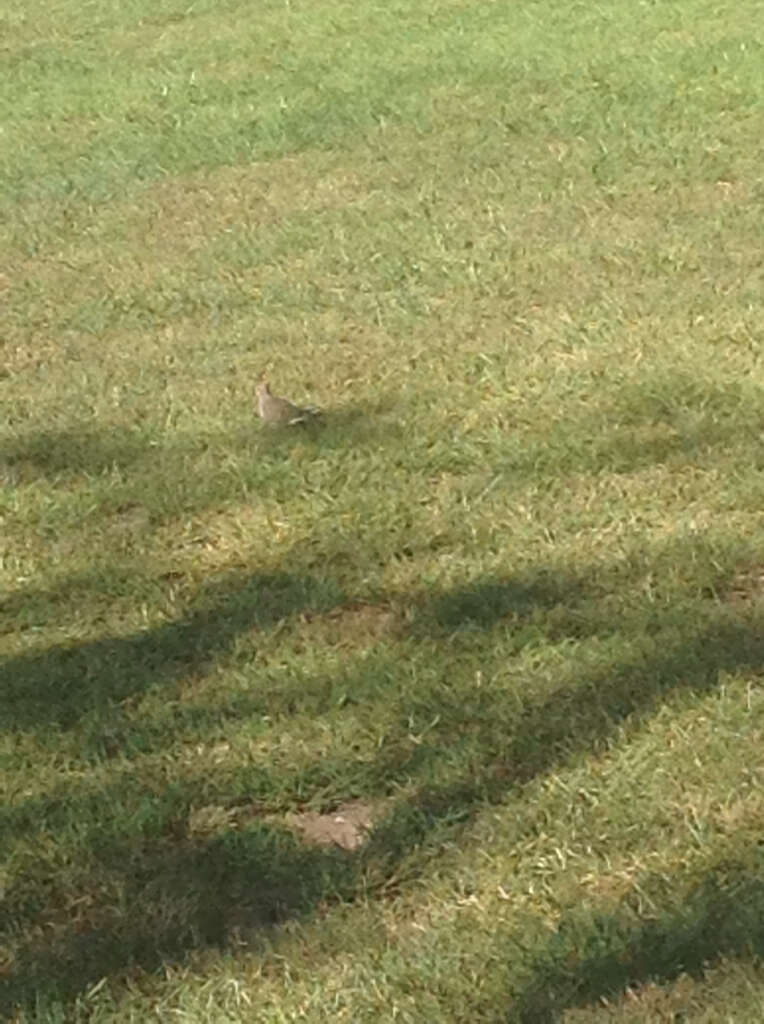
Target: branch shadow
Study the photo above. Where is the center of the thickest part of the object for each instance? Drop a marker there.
(49, 453)
(602, 955)
(173, 895)
(82, 451)
(60, 684)
(581, 713)
(168, 895)
(509, 734)
(671, 418)
(480, 605)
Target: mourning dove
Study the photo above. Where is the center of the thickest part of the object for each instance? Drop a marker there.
(273, 409)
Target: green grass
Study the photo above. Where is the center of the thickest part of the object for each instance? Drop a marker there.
(510, 594)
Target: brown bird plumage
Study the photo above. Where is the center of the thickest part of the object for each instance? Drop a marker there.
(273, 409)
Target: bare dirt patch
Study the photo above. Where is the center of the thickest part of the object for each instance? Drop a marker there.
(346, 827)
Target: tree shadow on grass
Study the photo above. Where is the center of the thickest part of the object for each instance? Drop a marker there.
(656, 417)
(594, 955)
(60, 684)
(506, 744)
(50, 453)
(480, 605)
(155, 457)
(170, 896)
(164, 892)
(146, 471)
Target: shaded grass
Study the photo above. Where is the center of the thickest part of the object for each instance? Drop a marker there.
(720, 915)
(467, 740)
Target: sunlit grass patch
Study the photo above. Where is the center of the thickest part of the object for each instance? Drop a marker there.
(500, 607)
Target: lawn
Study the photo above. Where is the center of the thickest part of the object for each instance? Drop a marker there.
(447, 707)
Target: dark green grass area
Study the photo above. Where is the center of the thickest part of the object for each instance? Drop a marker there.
(153, 891)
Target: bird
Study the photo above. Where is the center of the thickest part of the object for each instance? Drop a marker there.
(273, 409)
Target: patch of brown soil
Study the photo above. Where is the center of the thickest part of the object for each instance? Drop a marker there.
(346, 827)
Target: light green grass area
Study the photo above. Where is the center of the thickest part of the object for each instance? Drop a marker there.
(508, 594)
